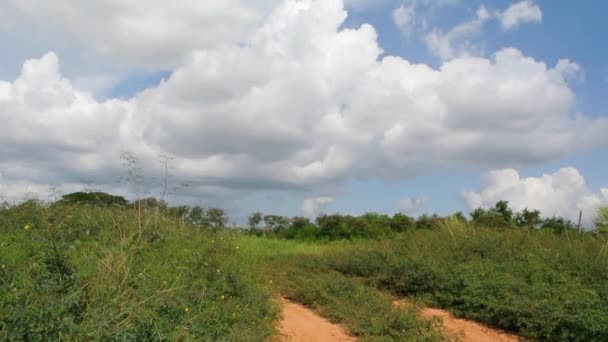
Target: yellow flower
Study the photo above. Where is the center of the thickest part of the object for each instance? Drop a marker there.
(27, 227)
(222, 297)
(186, 309)
(218, 270)
(237, 247)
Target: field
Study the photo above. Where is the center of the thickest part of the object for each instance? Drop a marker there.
(83, 272)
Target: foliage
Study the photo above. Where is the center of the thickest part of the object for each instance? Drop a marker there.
(90, 273)
(428, 222)
(535, 283)
(558, 225)
(217, 217)
(275, 222)
(401, 223)
(601, 221)
(528, 219)
(150, 203)
(255, 219)
(94, 199)
(155, 272)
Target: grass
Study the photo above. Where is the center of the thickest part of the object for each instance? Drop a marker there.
(537, 284)
(86, 273)
(120, 282)
(82, 273)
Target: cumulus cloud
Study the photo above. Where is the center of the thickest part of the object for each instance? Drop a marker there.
(563, 193)
(413, 206)
(521, 12)
(155, 33)
(313, 207)
(456, 42)
(300, 103)
(403, 17)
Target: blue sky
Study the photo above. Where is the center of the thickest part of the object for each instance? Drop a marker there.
(283, 157)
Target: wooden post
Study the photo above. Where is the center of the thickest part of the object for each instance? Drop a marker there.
(580, 218)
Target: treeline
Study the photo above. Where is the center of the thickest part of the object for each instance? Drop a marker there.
(334, 226)
(193, 215)
(372, 225)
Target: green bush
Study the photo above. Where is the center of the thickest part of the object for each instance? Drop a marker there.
(535, 283)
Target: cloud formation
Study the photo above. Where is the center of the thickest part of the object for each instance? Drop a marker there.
(156, 33)
(526, 11)
(563, 193)
(313, 207)
(413, 206)
(403, 17)
(456, 42)
(300, 103)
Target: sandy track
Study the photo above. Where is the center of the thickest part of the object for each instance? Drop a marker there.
(300, 324)
(464, 330)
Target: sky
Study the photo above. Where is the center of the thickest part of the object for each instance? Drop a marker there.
(302, 107)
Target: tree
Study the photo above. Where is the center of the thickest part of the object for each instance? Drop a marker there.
(178, 213)
(528, 219)
(299, 222)
(502, 208)
(217, 217)
(255, 219)
(460, 217)
(428, 222)
(501, 216)
(149, 203)
(276, 221)
(558, 225)
(197, 216)
(101, 199)
(402, 223)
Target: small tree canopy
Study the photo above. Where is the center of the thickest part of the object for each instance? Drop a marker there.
(93, 199)
(255, 219)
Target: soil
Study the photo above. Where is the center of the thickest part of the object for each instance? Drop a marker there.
(301, 324)
(464, 330)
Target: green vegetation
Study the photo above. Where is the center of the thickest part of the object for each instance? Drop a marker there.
(90, 267)
(90, 273)
(148, 272)
(538, 284)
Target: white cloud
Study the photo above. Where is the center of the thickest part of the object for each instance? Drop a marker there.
(564, 193)
(455, 42)
(413, 206)
(313, 207)
(526, 11)
(403, 17)
(154, 33)
(301, 103)
(4, 24)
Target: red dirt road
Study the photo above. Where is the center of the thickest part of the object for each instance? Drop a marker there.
(301, 324)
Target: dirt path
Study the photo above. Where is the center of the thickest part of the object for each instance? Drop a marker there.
(300, 324)
(465, 330)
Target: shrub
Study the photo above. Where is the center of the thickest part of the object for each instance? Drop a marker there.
(401, 223)
(601, 222)
(101, 199)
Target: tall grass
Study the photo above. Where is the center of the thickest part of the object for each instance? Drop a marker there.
(79, 272)
(83, 273)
